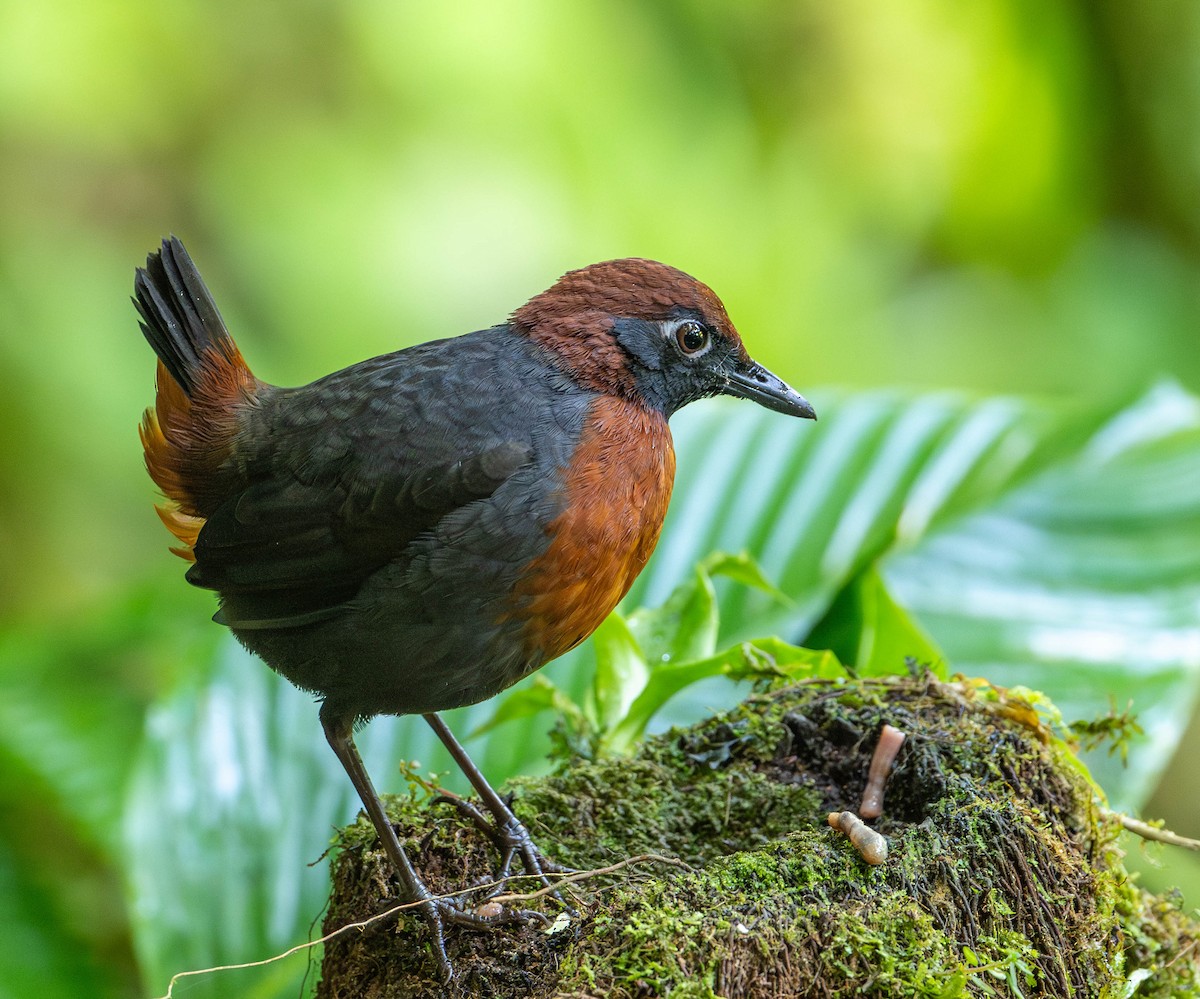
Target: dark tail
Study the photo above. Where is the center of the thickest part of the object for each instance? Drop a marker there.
(179, 317)
(203, 388)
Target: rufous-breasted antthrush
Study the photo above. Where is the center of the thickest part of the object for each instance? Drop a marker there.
(423, 529)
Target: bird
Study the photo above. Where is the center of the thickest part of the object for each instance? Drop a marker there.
(421, 530)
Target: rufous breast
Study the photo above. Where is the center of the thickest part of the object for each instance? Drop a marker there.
(616, 490)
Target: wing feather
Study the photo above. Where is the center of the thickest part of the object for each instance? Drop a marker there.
(285, 553)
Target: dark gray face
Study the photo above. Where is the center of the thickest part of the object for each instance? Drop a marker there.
(681, 359)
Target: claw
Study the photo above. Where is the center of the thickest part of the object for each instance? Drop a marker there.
(510, 838)
(505, 830)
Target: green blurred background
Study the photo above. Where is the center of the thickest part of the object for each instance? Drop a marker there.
(997, 196)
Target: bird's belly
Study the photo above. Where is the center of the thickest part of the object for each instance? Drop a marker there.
(617, 487)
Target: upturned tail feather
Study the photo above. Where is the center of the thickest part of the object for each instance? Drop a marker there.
(202, 384)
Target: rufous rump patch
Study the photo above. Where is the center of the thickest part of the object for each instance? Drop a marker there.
(187, 438)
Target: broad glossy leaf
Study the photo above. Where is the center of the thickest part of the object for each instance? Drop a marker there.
(684, 628)
(1083, 582)
(621, 674)
(870, 632)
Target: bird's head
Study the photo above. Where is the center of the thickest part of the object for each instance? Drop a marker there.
(651, 333)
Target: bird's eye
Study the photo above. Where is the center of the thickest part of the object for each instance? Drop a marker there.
(691, 337)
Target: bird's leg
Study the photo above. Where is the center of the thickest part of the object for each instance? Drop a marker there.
(509, 833)
(437, 911)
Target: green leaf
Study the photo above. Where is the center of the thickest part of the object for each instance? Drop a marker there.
(743, 569)
(767, 658)
(955, 985)
(773, 658)
(664, 683)
(1083, 582)
(538, 696)
(621, 673)
(684, 627)
(872, 633)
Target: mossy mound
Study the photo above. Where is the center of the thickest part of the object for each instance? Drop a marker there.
(1003, 877)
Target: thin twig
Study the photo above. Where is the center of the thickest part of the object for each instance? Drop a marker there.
(1156, 833)
(565, 879)
(1183, 952)
(380, 916)
(294, 950)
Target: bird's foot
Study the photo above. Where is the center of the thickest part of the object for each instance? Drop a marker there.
(442, 912)
(511, 839)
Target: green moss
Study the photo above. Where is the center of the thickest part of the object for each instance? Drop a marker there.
(601, 812)
(1003, 879)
